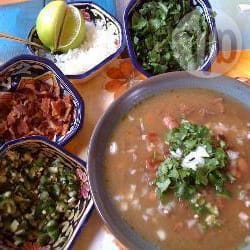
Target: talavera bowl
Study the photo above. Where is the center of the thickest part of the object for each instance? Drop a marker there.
(28, 66)
(72, 227)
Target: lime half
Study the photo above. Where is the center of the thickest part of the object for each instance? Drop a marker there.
(60, 27)
(49, 23)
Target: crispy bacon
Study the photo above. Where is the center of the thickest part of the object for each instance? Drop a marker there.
(36, 108)
(58, 108)
(45, 106)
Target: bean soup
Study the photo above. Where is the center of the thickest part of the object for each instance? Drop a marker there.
(178, 170)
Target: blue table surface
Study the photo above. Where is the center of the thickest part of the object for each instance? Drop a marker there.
(18, 19)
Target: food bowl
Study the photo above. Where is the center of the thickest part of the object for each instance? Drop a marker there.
(94, 13)
(17, 73)
(104, 130)
(203, 5)
(70, 228)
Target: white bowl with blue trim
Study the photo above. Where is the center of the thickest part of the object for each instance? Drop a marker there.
(95, 13)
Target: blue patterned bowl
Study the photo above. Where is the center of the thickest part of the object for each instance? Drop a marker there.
(94, 13)
(77, 219)
(30, 66)
(206, 9)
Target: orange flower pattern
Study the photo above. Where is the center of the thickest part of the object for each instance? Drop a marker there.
(122, 77)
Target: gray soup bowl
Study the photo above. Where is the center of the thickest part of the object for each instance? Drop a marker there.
(117, 111)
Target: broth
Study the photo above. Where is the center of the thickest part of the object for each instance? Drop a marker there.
(129, 173)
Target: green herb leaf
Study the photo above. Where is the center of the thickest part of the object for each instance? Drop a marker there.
(188, 182)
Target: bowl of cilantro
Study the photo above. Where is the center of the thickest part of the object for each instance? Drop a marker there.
(166, 35)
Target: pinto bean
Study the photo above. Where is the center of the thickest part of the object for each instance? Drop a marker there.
(242, 165)
(195, 234)
(152, 137)
(220, 202)
(221, 107)
(178, 227)
(151, 165)
(152, 196)
(235, 172)
(170, 122)
(185, 109)
(217, 100)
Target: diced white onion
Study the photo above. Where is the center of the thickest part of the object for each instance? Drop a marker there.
(118, 197)
(145, 217)
(247, 239)
(247, 203)
(161, 234)
(248, 135)
(150, 211)
(166, 208)
(142, 125)
(124, 206)
(136, 205)
(131, 118)
(134, 157)
(191, 223)
(132, 171)
(133, 187)
(177, 154)
(239, 140)
(113, 148)
(195, 158)
(233, 155)
(243, 216)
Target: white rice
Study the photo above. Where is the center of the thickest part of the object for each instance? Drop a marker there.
(97, 46)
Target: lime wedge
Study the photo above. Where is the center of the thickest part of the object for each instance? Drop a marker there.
(60, 27)
(49, 23)
(73, 30)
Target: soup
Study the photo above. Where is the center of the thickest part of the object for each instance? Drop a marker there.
(178, 170)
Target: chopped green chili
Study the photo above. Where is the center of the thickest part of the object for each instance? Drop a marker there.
(36, 194)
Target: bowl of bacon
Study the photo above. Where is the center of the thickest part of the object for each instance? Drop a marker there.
(37, 99)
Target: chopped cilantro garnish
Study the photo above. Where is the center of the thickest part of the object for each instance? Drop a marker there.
(196, 161)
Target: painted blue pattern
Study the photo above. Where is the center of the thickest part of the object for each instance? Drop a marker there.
(33, 66)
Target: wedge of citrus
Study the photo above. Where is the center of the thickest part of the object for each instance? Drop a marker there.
(60, 27)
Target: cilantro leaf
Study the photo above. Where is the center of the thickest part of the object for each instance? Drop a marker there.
(187, 183)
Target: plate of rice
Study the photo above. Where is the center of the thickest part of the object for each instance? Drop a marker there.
(104, 42)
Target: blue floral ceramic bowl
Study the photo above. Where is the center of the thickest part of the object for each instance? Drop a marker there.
(28, 66)
(93, 13)
(70, 228)
(203, 5)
